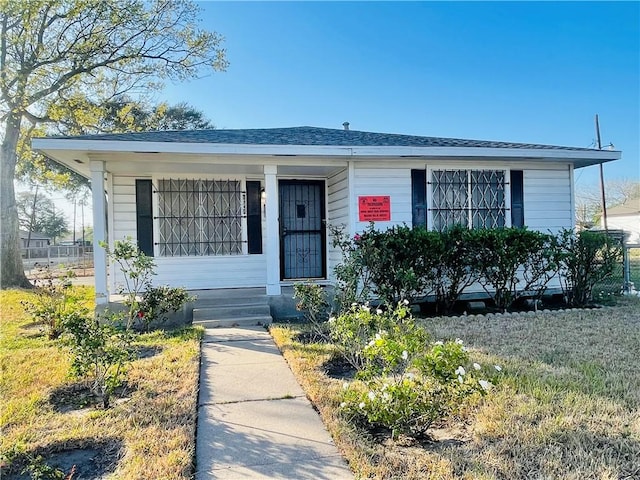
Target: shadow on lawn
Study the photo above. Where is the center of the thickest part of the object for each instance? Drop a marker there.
(87, 458)
(78, 396)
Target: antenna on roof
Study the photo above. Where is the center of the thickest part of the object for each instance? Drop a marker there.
(346, 125)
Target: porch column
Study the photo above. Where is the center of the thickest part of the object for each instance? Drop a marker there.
(272, 230)
(99, 231)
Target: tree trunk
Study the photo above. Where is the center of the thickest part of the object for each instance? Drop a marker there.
(11, 268)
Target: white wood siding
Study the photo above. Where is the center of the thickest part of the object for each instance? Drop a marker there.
(212, 272)
(190, 272)
(380, 180)
(337, 213)
(124, 208)
(547, 207)
(547, 199)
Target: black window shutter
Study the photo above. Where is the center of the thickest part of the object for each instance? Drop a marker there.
(254, 217)
(517, 198)
(419, 197)
(144, 216)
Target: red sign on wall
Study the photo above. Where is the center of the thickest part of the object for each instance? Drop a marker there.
(374, 208)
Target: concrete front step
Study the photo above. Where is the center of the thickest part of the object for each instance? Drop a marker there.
(240, 321)
(230, 311)
(231, 302)
(232, 307)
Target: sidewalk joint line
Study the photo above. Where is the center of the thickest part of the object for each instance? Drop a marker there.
(270, 399)
(229, 340)
(277, 462)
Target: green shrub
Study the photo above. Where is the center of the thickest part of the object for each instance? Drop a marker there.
(137, 270)
(586, 259)
(503, 254)
(353, 284)
(401, 261)
(408, 406)
(406, 383)
(393, 349)
(54, 297)
(312, 300)
(351, 331)
(456, 268)
(510, 263)
(157, 302)
(144, 302)
(99, 351)
(541, 265)
(441, 360)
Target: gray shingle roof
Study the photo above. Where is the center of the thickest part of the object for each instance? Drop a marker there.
(309, 136)
(34, 235)
(630, 207)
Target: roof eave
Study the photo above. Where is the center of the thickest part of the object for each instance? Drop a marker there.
(580, 158)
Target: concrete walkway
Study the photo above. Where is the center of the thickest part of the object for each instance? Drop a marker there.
(254, 420)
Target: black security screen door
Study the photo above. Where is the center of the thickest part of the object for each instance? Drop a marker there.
(302, 238)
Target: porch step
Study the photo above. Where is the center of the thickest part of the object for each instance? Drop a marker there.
(236, 312)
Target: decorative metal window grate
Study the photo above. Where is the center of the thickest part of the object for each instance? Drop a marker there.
(200, 217)
(473, 198)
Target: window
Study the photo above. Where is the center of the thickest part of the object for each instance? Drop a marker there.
(254, 217)
(473, 198)
(144, 216)
(200, 217)
(419, 198)
(517, 198)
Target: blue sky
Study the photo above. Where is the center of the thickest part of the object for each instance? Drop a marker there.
(530, 72)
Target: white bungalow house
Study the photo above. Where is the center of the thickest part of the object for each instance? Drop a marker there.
(625, 217)
(247, 208)
(33, 239)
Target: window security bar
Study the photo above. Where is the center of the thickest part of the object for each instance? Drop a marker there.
(200, 217)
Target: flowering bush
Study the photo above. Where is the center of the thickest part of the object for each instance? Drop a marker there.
(392, 351)
(408, 406)
(444, 360)
(352, 331)
(406, 383)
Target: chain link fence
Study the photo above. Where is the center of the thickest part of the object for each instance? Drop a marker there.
(64, 256)
(626, 276)
(632, 267)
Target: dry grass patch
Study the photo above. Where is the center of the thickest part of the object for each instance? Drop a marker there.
(148, 433)
(568, 405)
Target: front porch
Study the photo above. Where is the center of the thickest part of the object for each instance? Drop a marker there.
(272, 223)
(227, 307)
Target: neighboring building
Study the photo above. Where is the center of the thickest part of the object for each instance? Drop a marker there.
(625, 217)
(247, 208)
(35, 240)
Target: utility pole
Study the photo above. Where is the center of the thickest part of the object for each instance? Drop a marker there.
(74, 218)
(604, 202)
(32, 220)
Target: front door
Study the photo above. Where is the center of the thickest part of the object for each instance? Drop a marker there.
(302, 237)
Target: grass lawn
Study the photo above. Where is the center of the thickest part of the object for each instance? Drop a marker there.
(148, 433)
(568, 405)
